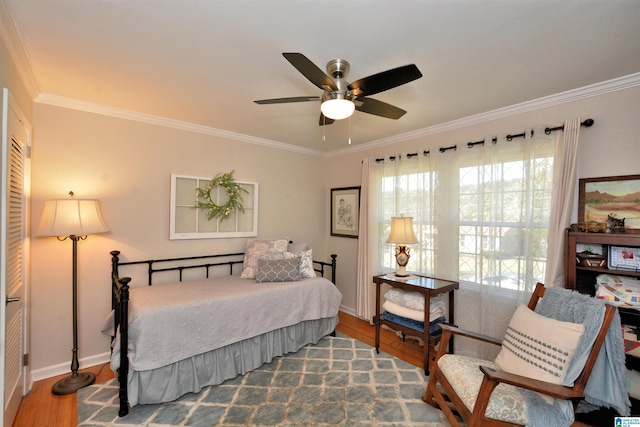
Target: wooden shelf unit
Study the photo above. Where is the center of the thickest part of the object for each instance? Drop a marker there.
(582, 278)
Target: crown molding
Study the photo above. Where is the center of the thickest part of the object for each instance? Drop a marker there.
(613, 85)
(11, 40)
(61, 101)
(601, 88)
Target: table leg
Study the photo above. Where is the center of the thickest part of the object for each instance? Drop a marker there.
(425, 332)
(452, 321)
(376, 319)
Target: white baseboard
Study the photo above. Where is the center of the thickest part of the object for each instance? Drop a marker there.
(348, 310)
(63, 368)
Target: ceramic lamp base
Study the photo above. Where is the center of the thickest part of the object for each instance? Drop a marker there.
(402, 258)
(401, 272)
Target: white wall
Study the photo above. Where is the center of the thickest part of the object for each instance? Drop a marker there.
(127, 166)
(610, 147)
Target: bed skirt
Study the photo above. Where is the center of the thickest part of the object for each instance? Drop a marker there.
(190, 375)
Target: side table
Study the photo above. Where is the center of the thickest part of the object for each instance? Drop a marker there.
(427, 286)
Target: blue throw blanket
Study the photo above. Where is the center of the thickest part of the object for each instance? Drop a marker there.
(606, 385)
(412, 324)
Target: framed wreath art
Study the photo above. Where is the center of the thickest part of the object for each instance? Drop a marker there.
(222, 210)
(219, 207)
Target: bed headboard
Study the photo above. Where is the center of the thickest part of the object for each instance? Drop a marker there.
(206, 263)
(180, 264)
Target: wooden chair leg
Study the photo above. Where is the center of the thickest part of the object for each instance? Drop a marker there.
(428, 394)
(482, 401)
(440, 400)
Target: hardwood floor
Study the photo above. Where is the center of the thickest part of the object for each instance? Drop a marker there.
(42, 409)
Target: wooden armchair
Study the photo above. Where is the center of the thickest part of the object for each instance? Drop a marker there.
(478, 391)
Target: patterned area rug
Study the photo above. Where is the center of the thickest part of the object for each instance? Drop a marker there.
(337, 382)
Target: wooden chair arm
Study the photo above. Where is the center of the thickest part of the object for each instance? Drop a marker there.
(470, 334)
(554, 390)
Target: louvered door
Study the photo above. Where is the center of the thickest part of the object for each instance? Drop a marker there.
(14, 243)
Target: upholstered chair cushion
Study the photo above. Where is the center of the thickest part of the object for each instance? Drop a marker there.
(465, 376)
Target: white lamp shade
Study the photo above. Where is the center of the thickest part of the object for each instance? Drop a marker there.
(69, 217)
(337, 109)
(402, 231)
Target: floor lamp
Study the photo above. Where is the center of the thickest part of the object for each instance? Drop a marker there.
(72, 219)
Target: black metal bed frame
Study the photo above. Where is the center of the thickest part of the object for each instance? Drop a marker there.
(120, 297)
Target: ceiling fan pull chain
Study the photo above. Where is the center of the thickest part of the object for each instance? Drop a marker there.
(349, 130)
(324, 129)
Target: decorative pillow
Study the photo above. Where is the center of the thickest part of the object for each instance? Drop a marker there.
(538, 347)
(278, 270)
(298, 247)
(261, 249)
(306, 262)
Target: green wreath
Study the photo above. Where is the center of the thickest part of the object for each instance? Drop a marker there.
(234, 192)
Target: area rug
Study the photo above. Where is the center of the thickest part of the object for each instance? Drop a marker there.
(337, 382)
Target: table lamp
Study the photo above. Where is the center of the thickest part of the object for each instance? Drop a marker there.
(402, 234)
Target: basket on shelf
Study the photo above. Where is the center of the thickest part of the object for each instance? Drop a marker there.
(588, 259)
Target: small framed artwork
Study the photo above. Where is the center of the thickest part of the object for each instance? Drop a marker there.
(345, 211)
(611, 200)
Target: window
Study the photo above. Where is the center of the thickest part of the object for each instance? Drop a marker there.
(481, 214)
(504, 211)
(187, 222)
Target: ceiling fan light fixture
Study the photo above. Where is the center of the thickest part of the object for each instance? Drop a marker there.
(336, 107)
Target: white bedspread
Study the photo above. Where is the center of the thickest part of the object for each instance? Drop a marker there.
(172, 322)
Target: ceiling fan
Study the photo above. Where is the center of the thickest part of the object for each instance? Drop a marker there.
(340, 98)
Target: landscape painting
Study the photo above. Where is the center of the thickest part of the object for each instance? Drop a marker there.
(617, 197)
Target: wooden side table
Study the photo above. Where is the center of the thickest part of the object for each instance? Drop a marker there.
(427, 286)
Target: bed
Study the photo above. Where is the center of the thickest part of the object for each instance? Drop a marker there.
(179, 336)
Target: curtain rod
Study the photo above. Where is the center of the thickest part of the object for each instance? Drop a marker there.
(509, 137)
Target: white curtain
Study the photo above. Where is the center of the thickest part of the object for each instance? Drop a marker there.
(564, 186)
(392, 187)
(481, 216)
(365, 293)
(400, 187)
(504, 198)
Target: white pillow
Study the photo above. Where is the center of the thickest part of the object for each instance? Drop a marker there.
(306, 262)
(298, 247)
(255, 250)
(538, 347)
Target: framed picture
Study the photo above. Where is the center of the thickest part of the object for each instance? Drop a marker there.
(610, 200)
(188, 222)
(345, 211)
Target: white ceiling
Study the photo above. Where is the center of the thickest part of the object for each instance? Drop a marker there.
(204, 62)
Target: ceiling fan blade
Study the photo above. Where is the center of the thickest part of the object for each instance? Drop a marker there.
(310, 70)
(379, 108)
(324, 120)
(385, 80)
(291, 99)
